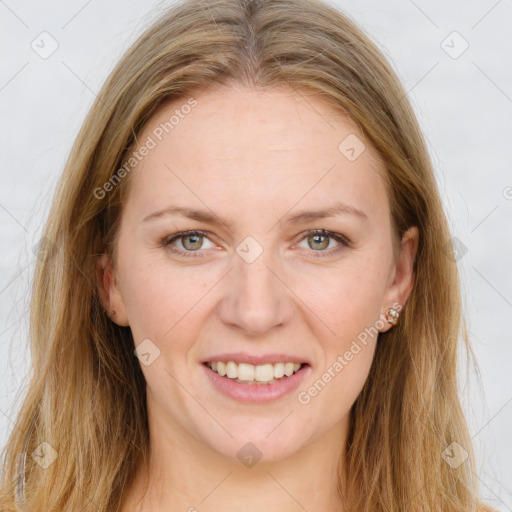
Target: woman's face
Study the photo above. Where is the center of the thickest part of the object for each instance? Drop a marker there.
(253, 284)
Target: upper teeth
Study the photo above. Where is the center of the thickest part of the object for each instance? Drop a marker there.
(249, 372)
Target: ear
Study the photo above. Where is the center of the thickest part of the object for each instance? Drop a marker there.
(109, 292)
(403, 275)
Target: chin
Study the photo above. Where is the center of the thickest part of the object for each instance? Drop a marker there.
(257, 444)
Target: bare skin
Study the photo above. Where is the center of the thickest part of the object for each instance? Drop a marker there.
(253, 159)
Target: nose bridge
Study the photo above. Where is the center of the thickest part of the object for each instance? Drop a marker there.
(254, 276)
(257, 299)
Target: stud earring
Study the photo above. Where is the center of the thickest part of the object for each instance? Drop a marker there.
(392, 316)
(113, 314)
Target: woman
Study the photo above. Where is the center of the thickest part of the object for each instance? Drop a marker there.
(245, 300)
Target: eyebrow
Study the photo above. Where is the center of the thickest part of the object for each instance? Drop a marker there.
(301, 216)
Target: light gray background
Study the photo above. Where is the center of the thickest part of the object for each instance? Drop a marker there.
(464, 105)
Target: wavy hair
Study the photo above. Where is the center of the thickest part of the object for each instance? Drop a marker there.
(86, 397)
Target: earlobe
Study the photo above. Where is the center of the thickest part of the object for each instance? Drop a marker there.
(108, 291)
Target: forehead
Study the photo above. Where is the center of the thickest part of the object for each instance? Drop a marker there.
(276, 148)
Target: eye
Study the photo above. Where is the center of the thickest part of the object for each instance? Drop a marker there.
(191, 241)
(319, 239)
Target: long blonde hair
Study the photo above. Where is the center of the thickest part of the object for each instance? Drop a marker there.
(86, 397)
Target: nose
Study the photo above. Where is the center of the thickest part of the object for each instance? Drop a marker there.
(257, 299)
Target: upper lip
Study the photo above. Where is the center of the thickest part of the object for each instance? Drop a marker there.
(244, 357)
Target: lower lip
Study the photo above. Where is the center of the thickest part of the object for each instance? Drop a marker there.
(256, 393)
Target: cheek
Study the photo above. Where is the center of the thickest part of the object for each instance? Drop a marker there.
(349, 303)
(349, 307)
(156, 298)
(347, 299)
(342, 381)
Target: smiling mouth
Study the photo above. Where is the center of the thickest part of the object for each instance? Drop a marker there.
(263, 374)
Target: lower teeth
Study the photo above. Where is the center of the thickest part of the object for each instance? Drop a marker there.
(254, 382)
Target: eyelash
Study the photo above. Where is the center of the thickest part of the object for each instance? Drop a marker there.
(344, 242)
